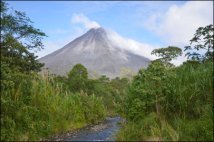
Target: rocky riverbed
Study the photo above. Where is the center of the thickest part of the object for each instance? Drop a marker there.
(104, 131)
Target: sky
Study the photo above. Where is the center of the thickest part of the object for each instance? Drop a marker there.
(153, 24)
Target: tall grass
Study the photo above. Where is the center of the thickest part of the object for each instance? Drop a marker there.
(39, 108)
(187, 108)
(190, 102)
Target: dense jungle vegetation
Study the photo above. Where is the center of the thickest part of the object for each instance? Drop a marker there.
(162, 102)
(165, 102)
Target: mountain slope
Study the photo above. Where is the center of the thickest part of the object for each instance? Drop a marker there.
(97, 53)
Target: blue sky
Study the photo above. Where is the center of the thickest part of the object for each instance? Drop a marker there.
(156, 23)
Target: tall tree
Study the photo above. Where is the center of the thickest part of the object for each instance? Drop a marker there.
(18, 39)
(77, 78)
(203, 40)
(167, 54)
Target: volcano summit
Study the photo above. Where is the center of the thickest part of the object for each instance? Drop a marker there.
(98, 52)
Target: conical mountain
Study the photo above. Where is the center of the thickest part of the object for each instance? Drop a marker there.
(97, 53)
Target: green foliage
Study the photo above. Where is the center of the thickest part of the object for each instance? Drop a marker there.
(203, 40)
(33, 107)
(17, 25)
(77, 78)
(162, 102)
(176, 96)
(168, 53)
(181, 98)
(18, 37)
(39, 109)
(142, 92)
(141, 130)
(112, 90)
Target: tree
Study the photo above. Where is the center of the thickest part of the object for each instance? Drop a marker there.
(168, 53)
(203, 40)
(77, 78)
(104, 78)
(18, 38)
(17, 25)
(147, 91)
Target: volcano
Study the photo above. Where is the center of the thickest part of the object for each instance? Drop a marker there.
(98, 53)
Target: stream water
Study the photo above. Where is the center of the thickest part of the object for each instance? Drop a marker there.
(104, 131)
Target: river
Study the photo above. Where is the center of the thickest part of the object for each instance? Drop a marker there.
(104, 131)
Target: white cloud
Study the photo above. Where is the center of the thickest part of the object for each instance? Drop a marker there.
(178, 25)
(135, 47)
(139, 48)
(75, 31)
(82, 19)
